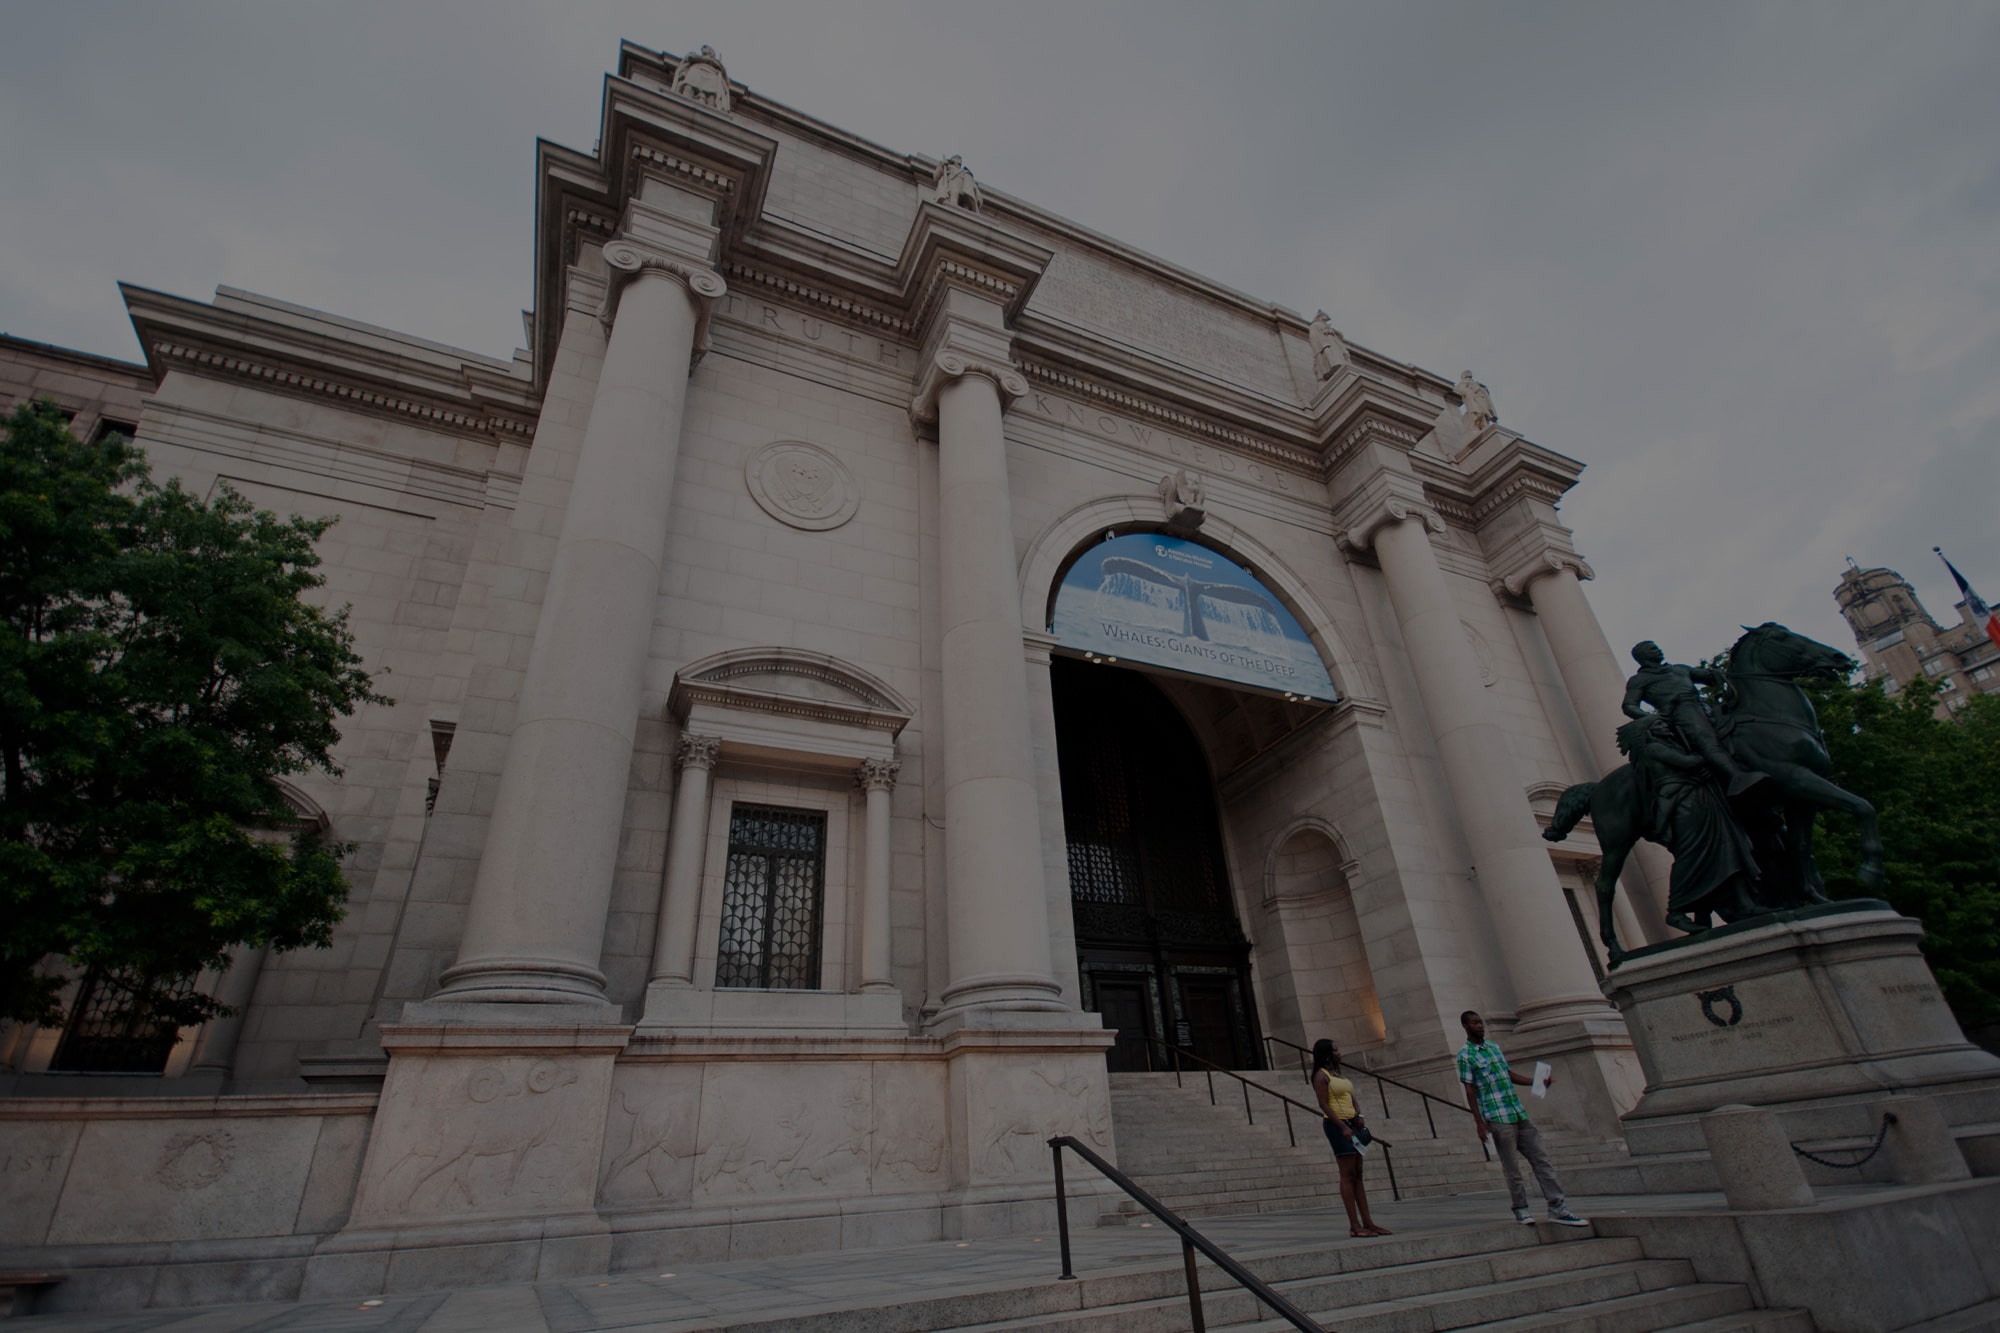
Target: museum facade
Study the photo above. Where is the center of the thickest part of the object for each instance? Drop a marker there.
(881, 660)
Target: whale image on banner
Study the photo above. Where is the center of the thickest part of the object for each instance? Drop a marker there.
(1168, 602)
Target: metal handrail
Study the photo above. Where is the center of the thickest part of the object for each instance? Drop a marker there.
(1212, 1069)
(1383, 1092)
(1191, 1240)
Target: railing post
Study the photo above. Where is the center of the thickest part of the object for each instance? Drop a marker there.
(1389, 1160)
(1247, 1113)
(1288, 1124)
(1062, 1210)
(1431, 1118)
(1382, 1091)
(1194, 1286)
(1211, 1083)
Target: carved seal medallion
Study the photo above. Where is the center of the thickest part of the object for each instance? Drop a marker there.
(1726, 996)
(193, 1161)
(803, 485)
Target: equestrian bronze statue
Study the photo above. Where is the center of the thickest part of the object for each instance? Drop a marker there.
(1729, 786)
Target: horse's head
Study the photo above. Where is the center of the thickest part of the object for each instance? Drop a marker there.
(1771, 649)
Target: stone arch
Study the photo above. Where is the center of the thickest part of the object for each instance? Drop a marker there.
(1311, 961)
(1053, 550)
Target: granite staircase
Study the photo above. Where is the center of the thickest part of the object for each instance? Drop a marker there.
(1501, 1277)
(1207, 1160)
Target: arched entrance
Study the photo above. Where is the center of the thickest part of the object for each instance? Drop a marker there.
(1160, 953)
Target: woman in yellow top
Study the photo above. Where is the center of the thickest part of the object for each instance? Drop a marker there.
(1335, 1096)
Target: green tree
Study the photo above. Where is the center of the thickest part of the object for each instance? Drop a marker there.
(159, 672)
(1935, 786)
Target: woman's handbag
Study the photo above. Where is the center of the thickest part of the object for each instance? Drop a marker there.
(1359, 1132)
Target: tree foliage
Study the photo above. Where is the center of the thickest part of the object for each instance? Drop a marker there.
(159, 672)
(1935, 786)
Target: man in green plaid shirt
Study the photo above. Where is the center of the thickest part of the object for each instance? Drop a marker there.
(1489, 1091)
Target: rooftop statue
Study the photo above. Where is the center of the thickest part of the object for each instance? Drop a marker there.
(953, 184)
(1732, 795)
(702, 78)
(1479, 413)
(1329, 349)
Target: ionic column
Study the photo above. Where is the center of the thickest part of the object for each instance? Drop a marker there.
(1596, 689)
(877, 779)
(215, 1046)
(687, 841)
(1551, 976)
(997, 936)
(536, 924)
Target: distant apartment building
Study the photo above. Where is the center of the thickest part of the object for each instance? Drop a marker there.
(1900, 641)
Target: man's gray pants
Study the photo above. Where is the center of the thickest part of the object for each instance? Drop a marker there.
(1518, 1140)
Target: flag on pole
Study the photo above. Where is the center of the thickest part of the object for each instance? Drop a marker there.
(1982, 615)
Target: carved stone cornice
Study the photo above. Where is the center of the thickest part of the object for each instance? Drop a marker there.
(697, 752)
(625, 261)
(300, 353)
(877, 774)
(950, 365)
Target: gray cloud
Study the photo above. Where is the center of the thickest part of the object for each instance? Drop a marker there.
(1737, 258)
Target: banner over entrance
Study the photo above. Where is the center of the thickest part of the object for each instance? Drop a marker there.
(1147, 597)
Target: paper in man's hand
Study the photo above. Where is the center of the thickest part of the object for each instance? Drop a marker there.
(1541, 1085)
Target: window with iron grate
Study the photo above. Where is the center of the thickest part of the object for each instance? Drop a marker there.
(772, 895)
(106, 1033)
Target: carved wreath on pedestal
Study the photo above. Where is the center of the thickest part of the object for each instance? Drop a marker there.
(802, 485)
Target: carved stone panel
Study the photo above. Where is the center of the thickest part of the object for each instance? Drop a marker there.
(788, 1128)
(485, 1135)
(649, 1137)
(802, 485)
(185, 1178)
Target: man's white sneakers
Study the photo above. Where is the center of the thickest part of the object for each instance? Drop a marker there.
(1563, 1217)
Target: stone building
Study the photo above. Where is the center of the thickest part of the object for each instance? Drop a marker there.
(1900, 641)
(880, 657)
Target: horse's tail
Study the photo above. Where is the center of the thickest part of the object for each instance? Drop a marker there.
(1571, 806)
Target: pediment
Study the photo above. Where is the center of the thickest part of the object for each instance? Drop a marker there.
(790, 682)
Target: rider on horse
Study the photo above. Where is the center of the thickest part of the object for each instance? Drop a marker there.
(1670, 689)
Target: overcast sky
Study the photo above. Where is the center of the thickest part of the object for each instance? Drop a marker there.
(1743, 260)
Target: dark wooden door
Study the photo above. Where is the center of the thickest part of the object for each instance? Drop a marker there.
(1122, 1004)
(1205, 1009)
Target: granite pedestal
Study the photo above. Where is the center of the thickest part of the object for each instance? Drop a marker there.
(1817, 1015)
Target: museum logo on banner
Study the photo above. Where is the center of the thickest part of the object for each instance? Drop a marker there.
(1168, 602)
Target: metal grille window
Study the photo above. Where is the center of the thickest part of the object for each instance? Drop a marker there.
(105, 1033)
(771, 898)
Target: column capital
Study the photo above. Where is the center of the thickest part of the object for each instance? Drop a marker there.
(877, 774)
(1514, 578)
(697, 752)
(948, 365)
(1384, 498)
(625, 260)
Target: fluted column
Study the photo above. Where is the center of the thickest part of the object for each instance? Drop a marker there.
(877, 779)
(687, 840)
(1596, 689)
(998, 935)
(1551, 976)
(536, 924)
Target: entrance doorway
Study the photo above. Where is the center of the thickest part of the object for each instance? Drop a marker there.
(1160, 953)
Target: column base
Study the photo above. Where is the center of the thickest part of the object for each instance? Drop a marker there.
(532, 981)
(1003, 992)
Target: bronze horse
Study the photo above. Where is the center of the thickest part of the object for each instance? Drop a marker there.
(1767, 722)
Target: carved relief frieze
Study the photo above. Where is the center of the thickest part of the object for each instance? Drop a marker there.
(474, 1146)
(802, 485)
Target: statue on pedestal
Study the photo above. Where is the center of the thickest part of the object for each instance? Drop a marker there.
(1733, 797)
(701, 77)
